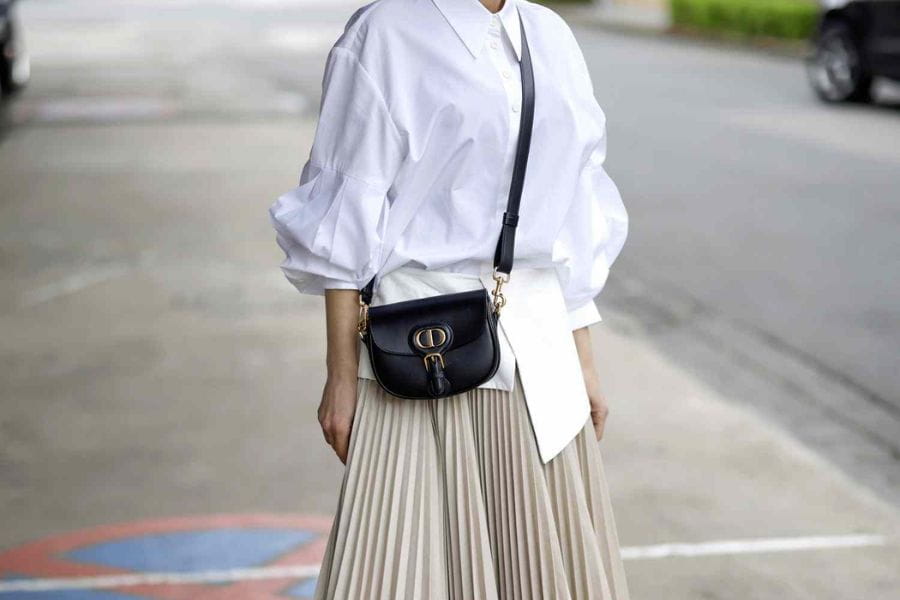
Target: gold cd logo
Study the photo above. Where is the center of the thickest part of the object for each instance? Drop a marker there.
(431, 337)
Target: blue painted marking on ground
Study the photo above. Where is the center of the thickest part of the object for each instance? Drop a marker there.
(187, 551)
(304, 589)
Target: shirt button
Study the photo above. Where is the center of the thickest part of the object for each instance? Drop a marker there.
(506, 74)
(515, 108)
(495, 45)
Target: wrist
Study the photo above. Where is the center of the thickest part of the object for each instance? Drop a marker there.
(341, 380)
(344, 370)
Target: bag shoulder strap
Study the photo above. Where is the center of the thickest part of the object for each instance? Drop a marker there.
(503, 256)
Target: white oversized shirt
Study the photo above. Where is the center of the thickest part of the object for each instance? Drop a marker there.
(411, 167)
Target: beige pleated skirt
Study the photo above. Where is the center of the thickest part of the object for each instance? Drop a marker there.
(448, 499)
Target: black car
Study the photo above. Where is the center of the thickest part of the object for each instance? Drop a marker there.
(14, 65)
(856, 41)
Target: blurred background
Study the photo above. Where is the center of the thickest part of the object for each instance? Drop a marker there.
(159, 378)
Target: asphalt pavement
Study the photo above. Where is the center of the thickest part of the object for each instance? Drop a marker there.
(763, 253)
(154, 362)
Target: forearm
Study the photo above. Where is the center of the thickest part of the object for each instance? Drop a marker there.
(341, 312)
(585, 350)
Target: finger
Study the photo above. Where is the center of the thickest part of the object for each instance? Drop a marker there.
(341, 445)
(329, 438)
(599, 420)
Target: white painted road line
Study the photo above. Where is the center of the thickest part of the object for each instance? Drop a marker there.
(758, 546)
(73, 283)
(716, 548)
(115, 581)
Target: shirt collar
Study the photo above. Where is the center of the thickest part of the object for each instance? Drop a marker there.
(471, 20)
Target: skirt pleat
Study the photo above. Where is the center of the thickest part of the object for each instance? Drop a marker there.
(449, 499)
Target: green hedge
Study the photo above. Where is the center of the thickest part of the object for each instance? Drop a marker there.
(789, 19)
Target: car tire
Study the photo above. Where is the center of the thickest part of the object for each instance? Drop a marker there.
(836, 69)
(15, 66)
(6, 62)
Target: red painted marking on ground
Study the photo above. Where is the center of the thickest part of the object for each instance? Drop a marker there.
(39, 558)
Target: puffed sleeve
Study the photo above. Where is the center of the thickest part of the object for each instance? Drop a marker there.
(592, 235)
(331, 226)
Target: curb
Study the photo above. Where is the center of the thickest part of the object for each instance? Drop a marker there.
(644, 22)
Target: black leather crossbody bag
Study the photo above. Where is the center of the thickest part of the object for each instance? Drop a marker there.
(445, 345)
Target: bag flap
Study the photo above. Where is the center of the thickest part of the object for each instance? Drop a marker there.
(462, 315)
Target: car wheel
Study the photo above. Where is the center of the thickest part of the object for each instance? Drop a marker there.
(6, 62)
(836, 70)
(15, 67)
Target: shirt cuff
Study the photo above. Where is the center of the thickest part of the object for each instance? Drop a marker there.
(583, 316)
(338, 284)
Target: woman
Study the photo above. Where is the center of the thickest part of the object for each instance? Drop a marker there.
(498, 492)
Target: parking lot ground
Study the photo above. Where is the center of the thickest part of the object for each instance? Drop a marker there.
(157, 366)
(159, 377)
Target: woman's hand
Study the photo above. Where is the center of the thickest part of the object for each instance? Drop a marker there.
(338, 406)
(599, 408)
(336, 411)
